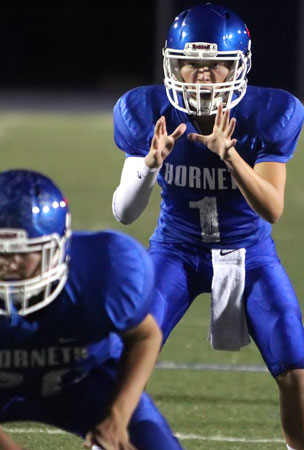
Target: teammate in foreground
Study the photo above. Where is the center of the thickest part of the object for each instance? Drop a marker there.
(218, 148)
(65, 300)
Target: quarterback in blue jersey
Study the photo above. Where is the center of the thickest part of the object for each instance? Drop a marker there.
(218, 149)
(77, 344)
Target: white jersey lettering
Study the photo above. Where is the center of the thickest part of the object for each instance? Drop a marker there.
(197, 178)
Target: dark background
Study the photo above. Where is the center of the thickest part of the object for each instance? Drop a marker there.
(115, 45)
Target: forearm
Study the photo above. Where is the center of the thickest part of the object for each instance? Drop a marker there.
(262, 195)
(136, 365)
(133, 193)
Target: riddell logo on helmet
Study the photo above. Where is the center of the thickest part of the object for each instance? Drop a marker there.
(201, 46)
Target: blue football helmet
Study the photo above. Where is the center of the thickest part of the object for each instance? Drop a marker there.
(207, 32)
(34, 217)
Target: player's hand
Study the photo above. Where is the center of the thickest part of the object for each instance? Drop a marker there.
(220, 141)
(110, 434)
(7, 443)
(162, 144)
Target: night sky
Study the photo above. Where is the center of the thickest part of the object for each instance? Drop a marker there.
(98, 44)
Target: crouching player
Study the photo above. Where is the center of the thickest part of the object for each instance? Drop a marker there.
(77, 344)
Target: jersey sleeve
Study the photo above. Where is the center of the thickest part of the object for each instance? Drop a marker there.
(133, 122)
(130, 282)
(282, 126)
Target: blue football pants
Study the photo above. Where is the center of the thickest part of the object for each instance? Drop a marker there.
(272, 310)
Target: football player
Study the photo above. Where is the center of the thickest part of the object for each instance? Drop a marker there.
(218, 149)
(77, 344)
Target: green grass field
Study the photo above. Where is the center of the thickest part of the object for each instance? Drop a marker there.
(208, 409)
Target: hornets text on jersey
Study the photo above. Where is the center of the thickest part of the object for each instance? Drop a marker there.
(201, 204)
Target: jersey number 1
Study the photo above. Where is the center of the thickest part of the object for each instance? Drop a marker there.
(208, 218)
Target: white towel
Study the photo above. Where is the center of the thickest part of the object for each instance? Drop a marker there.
(228, 326)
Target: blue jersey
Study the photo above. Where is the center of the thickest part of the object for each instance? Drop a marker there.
(201, 204)
(108, 291)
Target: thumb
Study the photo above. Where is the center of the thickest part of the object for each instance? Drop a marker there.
(195, 137)
(232, 143)
(179, 131)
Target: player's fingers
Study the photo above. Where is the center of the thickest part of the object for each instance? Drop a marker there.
(225, 120)
(232, 143)
(231, 127)
(195, 137)
(157, 127)
(163, 125)
(179, 131)
(103, 445)
(154, 143)
(218, 116)
(88, 442)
